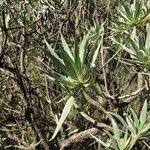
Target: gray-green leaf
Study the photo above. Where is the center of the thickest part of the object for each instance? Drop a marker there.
(64, 115)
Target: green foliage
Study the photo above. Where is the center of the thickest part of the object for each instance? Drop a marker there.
(73, 65)
(139, 48)
(64, 115)
(131, 15)
(134, 28)
(136, 128)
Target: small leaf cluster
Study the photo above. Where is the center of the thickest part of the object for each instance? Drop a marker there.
(135, 128)
(131, 15)
(134, 28)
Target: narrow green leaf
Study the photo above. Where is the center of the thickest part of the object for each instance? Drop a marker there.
(64, 115)
(135, 47)
(91, 79)
(147, 43)
(143, 115)
(116, 131)
(114, 142)
(77, 57)
(51, 53)
(125, 137)
(62, 80)
(122, 14)
(142, 43)
(120, 23)
(82, 48)
(125, 141)
(135, 117)
(95, 53)
(124, 47)
(134, 40)
(137, 11)
(128, 12)
(134, 36)
(70, 65)
(146, 129)
(131, 125)
(133, 141)
(118, 117)
(58, 78)
(57, 60)
(66, 47)
(50, 74)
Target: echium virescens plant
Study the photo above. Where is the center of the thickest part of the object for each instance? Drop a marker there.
(131, 15)
(135, 22)
(138, 47)
(76, 71)
(133, 129)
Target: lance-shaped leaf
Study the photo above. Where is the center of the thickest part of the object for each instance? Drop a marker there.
(114, 142)
(51, 54)
(131, 125)
(134, 40)
(64, 115)
(143, 115)
(82, 49)
(54, 76)
(69, 63)
(123, 122)
(146, 128)
(135, 48)
(77, 57)
(135, 117)
(138, 9)
(123, 14)
(147, 43)
(126, 140)
(133, 141)
(128, 13)
(131, 52)
(57, 60)
(97, 47)
(66, 47)
(116, 131)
